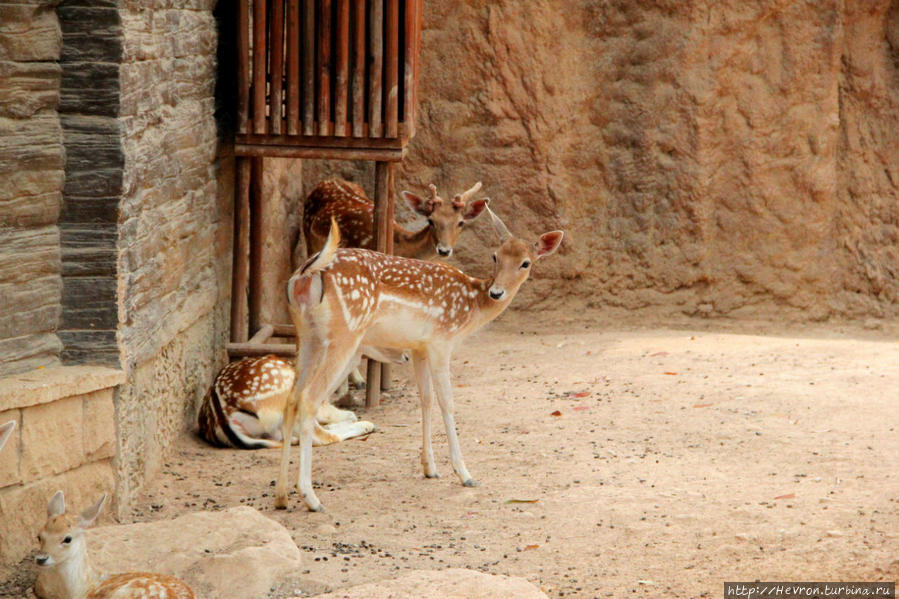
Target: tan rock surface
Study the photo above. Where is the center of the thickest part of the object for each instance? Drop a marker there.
(454, 583)
(234, 554)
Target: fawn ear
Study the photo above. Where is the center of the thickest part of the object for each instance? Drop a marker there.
(548, 243)
(475, 209)
(57, 505)
(418, 204)
(89, 515)
(6, 431)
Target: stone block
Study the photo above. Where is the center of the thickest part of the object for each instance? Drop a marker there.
(29, 504)
(27, 353)
(28, 87)
(99, 425)
(9, 455)
(30, 32)
(234, 554)
(52, 438)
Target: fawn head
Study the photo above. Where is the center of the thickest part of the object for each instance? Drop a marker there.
(62, 535)
(447, 219)
(514, 258)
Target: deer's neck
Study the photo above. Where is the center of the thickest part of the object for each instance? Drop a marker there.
(488, 308)
(414, 244)
(72, 579)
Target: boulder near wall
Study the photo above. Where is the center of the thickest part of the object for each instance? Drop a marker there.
(717, 158)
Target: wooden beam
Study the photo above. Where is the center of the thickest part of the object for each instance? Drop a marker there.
(320, 153)
(239, 324)
(391, 67)
(341, 82)
(276, 78)
(408, 116)
(386, 374)
(293, 67)
(256, 245)
(243, 65)
(309, 67)
(375, 71)
(259, 56)
(324, 68)
(358, 67)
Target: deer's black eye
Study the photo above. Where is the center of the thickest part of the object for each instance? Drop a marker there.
(67, 540)
(461, 223)
(525, 264)
(494, 257)
(430, 222)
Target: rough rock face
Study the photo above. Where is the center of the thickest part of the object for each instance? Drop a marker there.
(31, 169)
(453, 583)
(714, 158)
(234, 554)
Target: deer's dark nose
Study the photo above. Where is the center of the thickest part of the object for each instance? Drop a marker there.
(444, 251)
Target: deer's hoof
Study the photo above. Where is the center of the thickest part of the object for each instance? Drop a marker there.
(431, 475)
(471, 483)
(281, 503)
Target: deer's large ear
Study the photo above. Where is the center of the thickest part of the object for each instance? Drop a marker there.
(418, 204)
(89, 515)
(548, 243)
(57, 505)
(475, 209)
(6, 431)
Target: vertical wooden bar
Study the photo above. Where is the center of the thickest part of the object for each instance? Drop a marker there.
(243, 65)
(388, 249)
(239, 325)
(309, 67)
(324, 68)
(380, 228)
(376, 52)
(358, 67)
(256, 236)
(293, 67)
(409, 67)
(259, 47)
(391, 67)
(276, 78)
(343, 67)
(419, 14)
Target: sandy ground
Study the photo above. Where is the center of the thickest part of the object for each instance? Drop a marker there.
(655, 463)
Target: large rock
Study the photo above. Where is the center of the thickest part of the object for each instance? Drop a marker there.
(234, 554)
(454, 583)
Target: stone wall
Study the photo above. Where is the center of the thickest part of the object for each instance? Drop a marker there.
(174, 230)
(31, 169)
(707, 158)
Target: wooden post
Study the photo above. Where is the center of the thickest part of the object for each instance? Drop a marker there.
(380, 229)
(309, 67)
(375, 72)
(239, 326)
(259, 56)
(358, 67)
(391, 68)
(343, 68)
(324, 68)
(243, 65)
(388, 249)
(256, 237)
(293, 67)
(276, 82)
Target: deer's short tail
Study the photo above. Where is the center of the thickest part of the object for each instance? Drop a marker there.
(304, 287)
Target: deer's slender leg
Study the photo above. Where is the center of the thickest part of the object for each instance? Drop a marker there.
(440, 373)
(288, 424)
(330, 367)
(423, 378)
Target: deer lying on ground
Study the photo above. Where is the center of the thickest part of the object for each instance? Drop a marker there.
(6, 432)
(65, 571)
(347, 204)
(244, 407)
(343, 298)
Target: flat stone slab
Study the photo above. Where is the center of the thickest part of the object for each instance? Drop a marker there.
(453, 583)
(234, 554)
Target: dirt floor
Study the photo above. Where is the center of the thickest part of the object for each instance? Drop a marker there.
(644, 462)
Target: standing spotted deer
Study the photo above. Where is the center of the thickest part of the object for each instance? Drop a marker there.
(348, 205)
(344, 298)
(65, 571)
